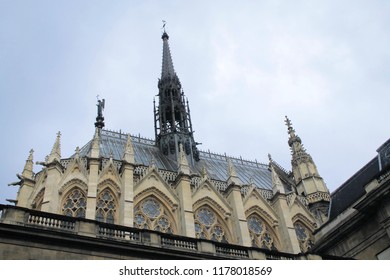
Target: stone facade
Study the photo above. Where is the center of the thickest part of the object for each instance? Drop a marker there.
(168, 186)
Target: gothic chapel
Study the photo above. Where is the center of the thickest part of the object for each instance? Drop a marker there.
(124, 196)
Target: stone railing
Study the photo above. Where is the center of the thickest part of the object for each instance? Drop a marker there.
(233, 252)
(277, 256)
(48, 220)
(179, 243)
(118, 232)
(51, 224)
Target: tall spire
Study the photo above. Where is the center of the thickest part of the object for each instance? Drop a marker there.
(167, 70)
(299, 154)
(172, 116)
(307, 179)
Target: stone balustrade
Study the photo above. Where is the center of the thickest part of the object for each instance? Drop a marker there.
(79, 227)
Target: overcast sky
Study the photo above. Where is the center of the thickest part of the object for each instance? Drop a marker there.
(243, 65)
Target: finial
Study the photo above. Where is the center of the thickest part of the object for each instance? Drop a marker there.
(232, 173)
(128, 155)
(277, 185)
(269, 157)
(95, 148)
(288, 123)
(204, 172)
(231, 169)
(77, 151)
(152, 165)
(183, 166)
(30, 156)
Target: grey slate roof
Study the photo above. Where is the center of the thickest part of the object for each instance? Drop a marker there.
(216, 165)
(353, 188)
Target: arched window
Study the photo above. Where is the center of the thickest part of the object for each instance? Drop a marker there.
(151, 214)
(74, 204)
(304, 236)
(260, 234)
(106, 207)
(208, 226)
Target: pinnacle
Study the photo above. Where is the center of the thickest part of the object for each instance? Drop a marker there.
(128, 155)
(28, 167)
(56, 150)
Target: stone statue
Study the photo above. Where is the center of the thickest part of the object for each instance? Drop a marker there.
(100, 106)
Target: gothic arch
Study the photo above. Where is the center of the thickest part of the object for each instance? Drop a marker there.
(109, 183)
(271, 221)
(211, 221)
(305, 221)
(73, 183)
(215, 205)
(261, 232)
(74, 202)
(169, 201)
(107, 206)
(152, 212)
(304, 231)
(208, 191)
(153, 183)
(74, 170)
(109, 171)
(254, 201)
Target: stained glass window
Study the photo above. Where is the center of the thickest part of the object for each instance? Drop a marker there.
(206, 217)
(300, 231)
(207, 226)
(106, 207)
(151, 208)
(74, 204)
(255, 225)
(304, 236)
(150, 214)
(260, 233)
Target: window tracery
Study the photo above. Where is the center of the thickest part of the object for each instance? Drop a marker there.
(207, 226)
(304, 236)
(260, 234)
(74, 204)
(106, 207)
(151, 214)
